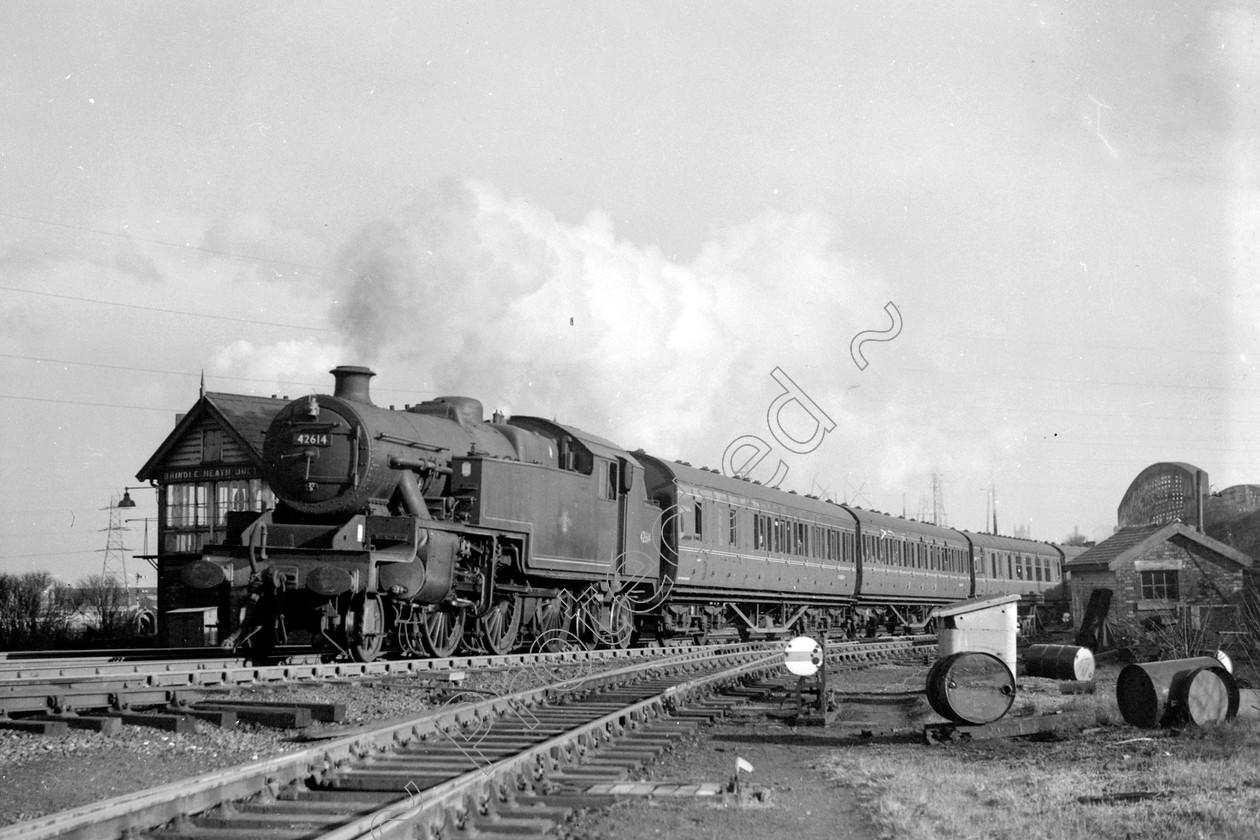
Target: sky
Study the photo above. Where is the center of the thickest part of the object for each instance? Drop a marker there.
(640, 219)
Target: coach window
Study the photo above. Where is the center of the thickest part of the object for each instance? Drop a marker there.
(699, 520)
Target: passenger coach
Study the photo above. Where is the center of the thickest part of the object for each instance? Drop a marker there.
(768, 555)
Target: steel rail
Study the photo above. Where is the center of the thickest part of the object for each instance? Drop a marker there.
(27, 691)
(231, 670)
(60, 669)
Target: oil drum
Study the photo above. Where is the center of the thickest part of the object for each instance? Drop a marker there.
(1059, 662)
(1177, 691)
(971, 687)
(1204, 695)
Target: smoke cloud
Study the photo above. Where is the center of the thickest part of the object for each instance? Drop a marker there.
(473, 292)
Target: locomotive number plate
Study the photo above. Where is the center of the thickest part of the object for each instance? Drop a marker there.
(312, 439)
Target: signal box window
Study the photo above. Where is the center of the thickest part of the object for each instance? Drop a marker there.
(1160, 586)
(211, 446)
(196, 513)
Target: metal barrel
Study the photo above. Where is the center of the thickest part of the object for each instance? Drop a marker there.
(1059, 662)
(1152, 694)
(1204, 695)
(971, 687)
(1249, 702)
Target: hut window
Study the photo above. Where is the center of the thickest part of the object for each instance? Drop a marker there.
(1160, 586)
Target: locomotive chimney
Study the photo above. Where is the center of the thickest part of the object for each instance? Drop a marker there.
(352, 383)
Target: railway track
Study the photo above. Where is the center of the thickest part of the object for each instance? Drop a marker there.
(500, 765)
(70, 688)
(67, 687)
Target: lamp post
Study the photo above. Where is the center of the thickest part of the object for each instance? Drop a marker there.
(126, 501)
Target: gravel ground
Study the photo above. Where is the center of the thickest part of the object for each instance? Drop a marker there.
(797, 796)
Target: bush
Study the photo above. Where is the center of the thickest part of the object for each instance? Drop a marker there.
(34, 611)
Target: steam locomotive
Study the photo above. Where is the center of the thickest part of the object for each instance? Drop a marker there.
(415, 531)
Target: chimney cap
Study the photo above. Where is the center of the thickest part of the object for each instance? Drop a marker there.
(352, 383)
(354, 369)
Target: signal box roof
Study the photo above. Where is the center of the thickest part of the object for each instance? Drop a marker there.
(244, 417)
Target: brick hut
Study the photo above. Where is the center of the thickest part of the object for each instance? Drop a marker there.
(1161, 569)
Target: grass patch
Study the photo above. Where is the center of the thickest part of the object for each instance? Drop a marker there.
(1203, 783)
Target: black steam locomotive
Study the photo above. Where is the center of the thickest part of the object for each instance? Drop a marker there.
(417, 530)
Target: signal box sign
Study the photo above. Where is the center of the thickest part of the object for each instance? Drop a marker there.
(223, 473)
